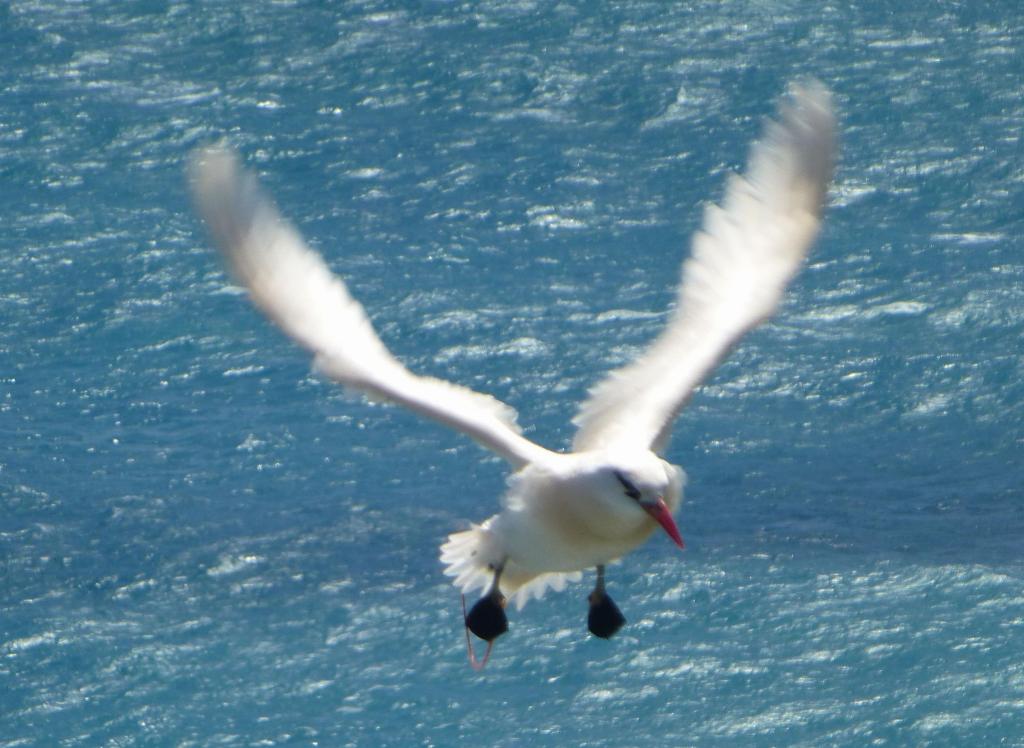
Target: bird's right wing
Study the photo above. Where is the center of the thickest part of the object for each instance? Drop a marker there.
(293, 286)
(742, 259)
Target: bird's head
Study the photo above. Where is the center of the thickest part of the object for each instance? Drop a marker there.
(653, 485)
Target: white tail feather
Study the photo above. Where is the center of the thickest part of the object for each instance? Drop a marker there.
(470, 557)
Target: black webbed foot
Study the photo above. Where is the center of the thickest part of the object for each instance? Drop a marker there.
(487, 619)
(604, 618)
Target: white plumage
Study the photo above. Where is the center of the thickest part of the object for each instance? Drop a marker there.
(563, 513)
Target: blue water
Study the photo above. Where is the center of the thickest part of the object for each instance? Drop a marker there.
(202, 544)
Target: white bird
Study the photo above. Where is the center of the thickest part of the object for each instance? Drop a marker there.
(563, 512)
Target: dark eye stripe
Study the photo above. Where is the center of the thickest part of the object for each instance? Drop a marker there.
(631, 491)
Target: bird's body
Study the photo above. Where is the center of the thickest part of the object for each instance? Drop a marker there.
(563, 512)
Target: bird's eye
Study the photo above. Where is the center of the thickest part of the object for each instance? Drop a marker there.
(631, 491)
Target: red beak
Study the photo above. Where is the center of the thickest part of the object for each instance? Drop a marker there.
(663, 517)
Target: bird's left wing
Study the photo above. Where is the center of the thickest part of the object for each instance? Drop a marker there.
(742, 259)
(293, 286)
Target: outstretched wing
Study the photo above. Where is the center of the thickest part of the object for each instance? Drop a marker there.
(293, 286)
(742, 259)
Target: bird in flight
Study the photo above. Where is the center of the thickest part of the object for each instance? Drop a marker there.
(563, 512)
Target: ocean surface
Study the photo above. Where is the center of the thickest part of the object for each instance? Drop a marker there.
(203, 544)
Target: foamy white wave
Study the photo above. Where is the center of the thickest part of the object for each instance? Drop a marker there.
(969, 237)
(30, 642)
(232, 564)
(897, 309)
(539, 113)
(242, 371)
(250, 443)
(367, 172)
(524, 347)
